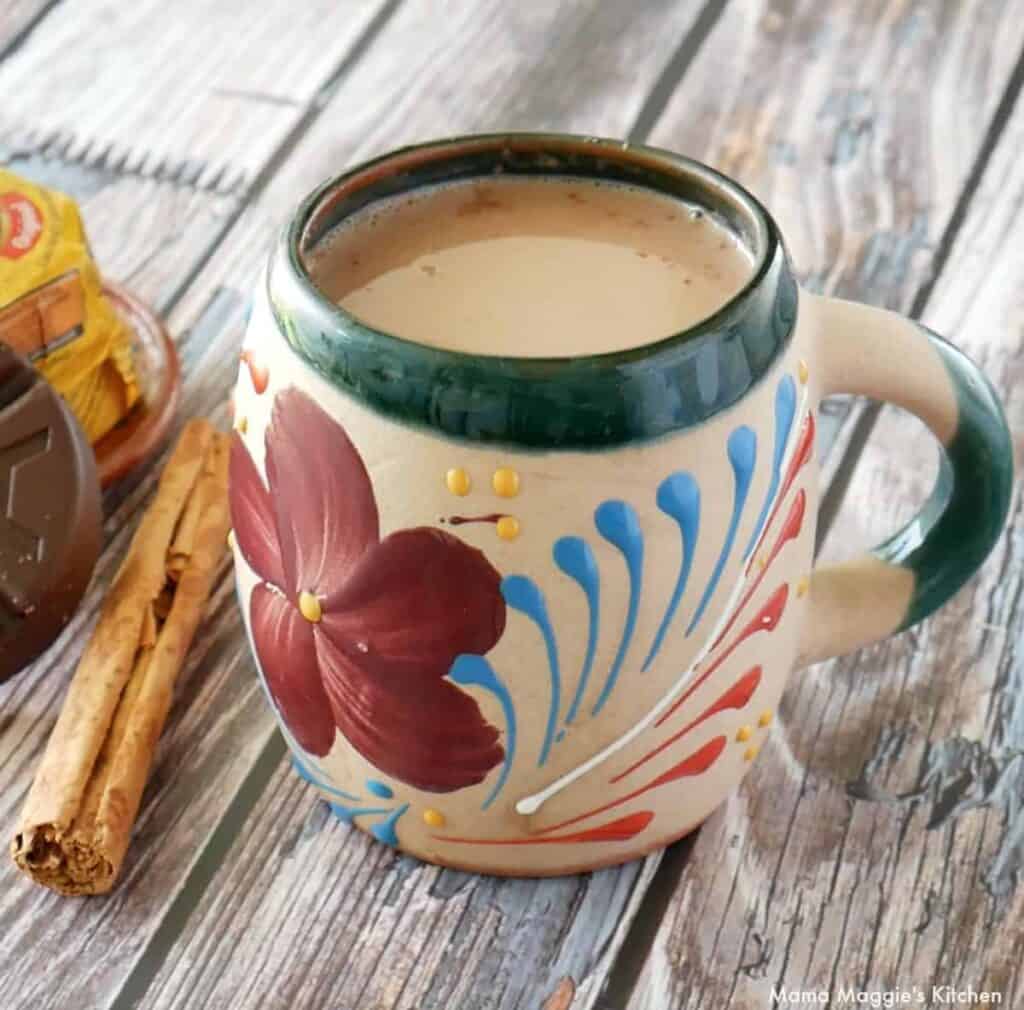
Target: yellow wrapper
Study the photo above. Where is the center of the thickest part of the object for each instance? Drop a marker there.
(52, 306)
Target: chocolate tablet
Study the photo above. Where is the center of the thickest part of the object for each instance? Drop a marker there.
(50, 513)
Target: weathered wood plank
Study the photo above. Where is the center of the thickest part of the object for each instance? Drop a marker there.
(92, 949)
(919, 765)
(196, 93)
(860, 137)
(856, 124)
(333, 919)
(152, 234)
(877, 842)
(359, 948)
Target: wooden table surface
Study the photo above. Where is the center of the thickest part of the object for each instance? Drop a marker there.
(878, 843)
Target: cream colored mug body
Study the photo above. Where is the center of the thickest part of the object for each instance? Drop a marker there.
(535, 616)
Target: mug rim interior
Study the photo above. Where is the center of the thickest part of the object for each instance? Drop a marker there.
(573, 402)
(325, 207)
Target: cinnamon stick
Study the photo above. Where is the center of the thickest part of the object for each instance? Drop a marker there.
(77, 820)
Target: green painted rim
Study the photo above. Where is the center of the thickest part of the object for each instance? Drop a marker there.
(947, 542)
(591, 402)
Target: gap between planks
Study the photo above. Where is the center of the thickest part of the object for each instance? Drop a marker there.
(675, 70)
(184, 102)
(834, 490)
(218, 845)
(259, 183)
(23, 32)
(270, 754)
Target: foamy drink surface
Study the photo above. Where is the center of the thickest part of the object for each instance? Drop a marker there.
(554, 267)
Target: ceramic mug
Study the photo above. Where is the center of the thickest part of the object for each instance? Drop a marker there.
(585, 676)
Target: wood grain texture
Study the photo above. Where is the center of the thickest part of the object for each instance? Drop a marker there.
(575, 65)
(152, 234)
(877, 843)
(195, 93)
(92, 950)
(54, 952)
(857, 124)
(918, 762)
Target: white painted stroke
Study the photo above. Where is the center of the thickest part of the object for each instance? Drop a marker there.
(531, 804)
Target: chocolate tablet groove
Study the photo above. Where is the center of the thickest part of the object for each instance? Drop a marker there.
(19, 544)
(15, 382)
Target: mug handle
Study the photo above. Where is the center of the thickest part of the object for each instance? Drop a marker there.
(876, 353)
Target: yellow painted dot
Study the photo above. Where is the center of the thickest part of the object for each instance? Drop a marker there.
(762, 562)
(309, 607)
(765, 719)
(242, 425)
(458, 481)
(433, 818)
(508, 527)
(803, 371)
(750, 753)
(231, 540)
(743, 734)
(802, 586)
(505, 482)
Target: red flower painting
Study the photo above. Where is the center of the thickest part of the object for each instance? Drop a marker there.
(357, 633)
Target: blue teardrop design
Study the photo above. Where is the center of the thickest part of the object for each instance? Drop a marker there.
(385, 830)
(785, 410)
(522, 594)
(305, 773)
(349, 814)
(574, 556)
(678, 497)
(616, 521)
(381, 789)
(742, 450)
(469, 670)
